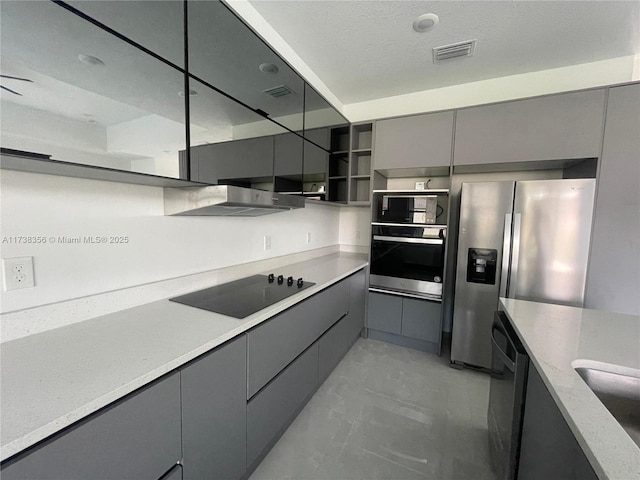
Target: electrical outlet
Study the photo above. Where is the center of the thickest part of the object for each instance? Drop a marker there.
(267, 242)
(17, 273)
(308, 237)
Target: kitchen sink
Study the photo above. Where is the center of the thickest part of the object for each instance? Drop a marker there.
(620, 393)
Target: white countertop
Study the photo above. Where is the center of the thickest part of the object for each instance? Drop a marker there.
(53, 379)
(559, 338)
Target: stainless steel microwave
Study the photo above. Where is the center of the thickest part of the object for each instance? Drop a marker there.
(406, 209)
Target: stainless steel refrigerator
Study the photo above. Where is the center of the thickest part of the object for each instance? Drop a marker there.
(527, 240)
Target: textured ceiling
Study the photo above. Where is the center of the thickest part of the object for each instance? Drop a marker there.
(363, 50)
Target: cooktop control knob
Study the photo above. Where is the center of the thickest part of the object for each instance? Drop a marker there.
(271, 277)
(290, 281)
(300, 282)
(280, 279)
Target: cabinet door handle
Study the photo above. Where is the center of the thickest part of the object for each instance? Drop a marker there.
(506, 254)
(431, 241)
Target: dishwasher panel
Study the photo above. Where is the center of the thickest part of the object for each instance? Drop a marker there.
(507, 390)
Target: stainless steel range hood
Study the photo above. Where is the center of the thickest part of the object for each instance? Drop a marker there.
(227, 200)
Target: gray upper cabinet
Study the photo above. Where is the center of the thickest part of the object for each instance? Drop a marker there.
(137, 438)
(239, 162)
(287, 163)
(613, 282)
(214, 413)
(413, 142)
(567, 126)
(287, 155)
(316, 159)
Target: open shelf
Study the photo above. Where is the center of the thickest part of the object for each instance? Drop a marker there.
(340, 139)
(362, 137)
(361, 163)
(360, 189)
(338, 165)
(338, 190)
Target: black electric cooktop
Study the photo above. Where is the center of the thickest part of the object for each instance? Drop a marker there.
(241, 298)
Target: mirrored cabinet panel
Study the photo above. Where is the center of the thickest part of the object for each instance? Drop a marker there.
(319, 113)
(157, 25)
(232, 145)
(101, 83)
(225, 53)
(74, 92)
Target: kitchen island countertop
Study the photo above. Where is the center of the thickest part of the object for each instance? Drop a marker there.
(560, 338)
(52, 379)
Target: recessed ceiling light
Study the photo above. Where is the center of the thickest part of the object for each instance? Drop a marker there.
(268, 68)
(192, 93)
(90, 60)
(425, 22)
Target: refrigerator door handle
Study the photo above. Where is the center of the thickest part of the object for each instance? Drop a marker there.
(506, 253)
(515, 254)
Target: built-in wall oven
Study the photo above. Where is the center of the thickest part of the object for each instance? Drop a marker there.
(407, 244)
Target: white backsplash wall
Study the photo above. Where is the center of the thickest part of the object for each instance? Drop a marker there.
(355, 226)
(156, 248)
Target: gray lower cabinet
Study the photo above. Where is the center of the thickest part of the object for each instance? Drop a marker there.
(271, 410)
(136, 438)
(414, 142)
(200, 415)
(357, 302)
(385, 313)
(405, 321)
(337, 341)
(421, 319)
(555, 127)
(548, 449)
(613, 282)
(214, 413)
(275, 343)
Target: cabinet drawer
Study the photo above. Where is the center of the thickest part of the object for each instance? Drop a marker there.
(269, 411)
(331, 304)
(137, 438)
(214, 410)
(333, 345)
(357, 302)
(274, 344)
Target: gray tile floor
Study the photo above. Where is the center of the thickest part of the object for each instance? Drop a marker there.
(388, 412)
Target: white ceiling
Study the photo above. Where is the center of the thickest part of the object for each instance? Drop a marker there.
(365, 50)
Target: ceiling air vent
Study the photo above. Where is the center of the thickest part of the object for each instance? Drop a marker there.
(454, 50)
(279, 91)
